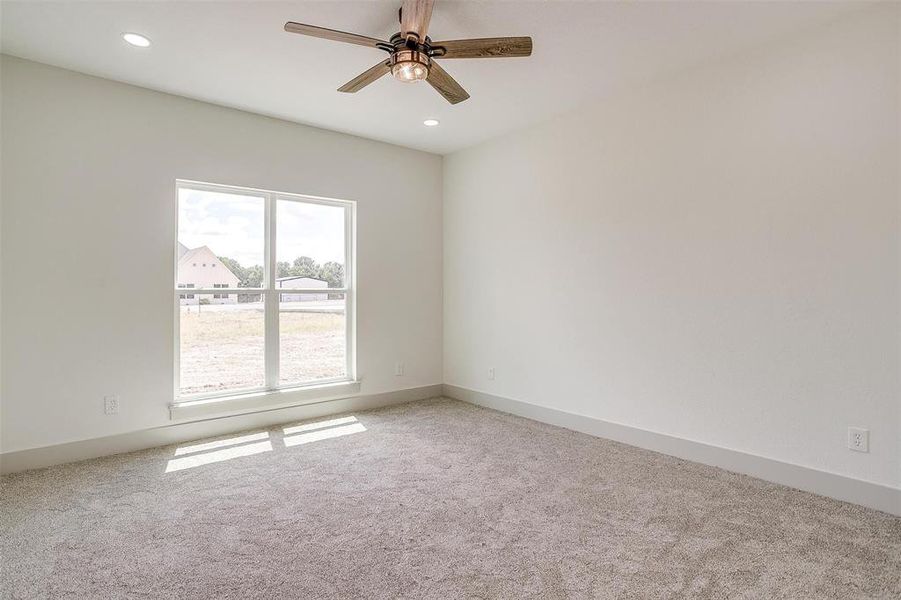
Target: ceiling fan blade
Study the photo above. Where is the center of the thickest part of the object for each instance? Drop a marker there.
(415, 16)
(365, 78)
(445, 85)
(333, 34)
(499, 47)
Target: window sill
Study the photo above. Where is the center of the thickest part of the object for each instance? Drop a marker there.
(260, 401)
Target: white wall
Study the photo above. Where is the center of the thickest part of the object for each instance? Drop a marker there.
(715, 257)
(88, 190)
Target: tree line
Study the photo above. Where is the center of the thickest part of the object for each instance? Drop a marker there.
(303, 266)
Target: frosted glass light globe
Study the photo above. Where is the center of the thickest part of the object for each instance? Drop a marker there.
(409, 66)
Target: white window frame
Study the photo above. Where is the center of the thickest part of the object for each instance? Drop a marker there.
(270, 294)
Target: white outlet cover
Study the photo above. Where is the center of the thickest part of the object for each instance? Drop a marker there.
(399, 369)
(491, 373)
(858, 439)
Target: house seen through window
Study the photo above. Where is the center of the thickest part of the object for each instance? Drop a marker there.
(276, 309)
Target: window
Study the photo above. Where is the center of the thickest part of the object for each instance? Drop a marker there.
(279, 314)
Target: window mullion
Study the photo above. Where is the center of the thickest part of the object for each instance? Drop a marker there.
(350, 324)
(271, 302)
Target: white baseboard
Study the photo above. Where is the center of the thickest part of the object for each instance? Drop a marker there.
(839, 487)
(36, 458)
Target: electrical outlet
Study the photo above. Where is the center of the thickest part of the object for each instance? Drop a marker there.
(399, 370)
(491, 373)
(859, 439)
(111, 405)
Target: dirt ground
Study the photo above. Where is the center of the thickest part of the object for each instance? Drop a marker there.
(223, 349)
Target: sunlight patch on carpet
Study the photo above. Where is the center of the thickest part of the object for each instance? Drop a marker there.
(233, 441)
(323, 434)
(205, 458)
(318, 425)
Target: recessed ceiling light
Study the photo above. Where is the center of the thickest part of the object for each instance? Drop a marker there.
(430, 122)
(136, 39)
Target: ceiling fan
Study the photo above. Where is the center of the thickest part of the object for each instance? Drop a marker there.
(413, 53)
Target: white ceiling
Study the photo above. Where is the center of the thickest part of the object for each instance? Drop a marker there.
(237, 54)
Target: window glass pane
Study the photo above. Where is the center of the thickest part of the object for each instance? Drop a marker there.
(309, 245)
(222, 343)
(220, 239)
(312, 342)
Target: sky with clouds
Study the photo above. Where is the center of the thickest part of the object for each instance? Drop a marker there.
(233, 225)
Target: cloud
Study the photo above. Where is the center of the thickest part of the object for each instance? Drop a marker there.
(313, 230)
(233, 225)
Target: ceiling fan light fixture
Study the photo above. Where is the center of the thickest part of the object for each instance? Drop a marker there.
(409, 66)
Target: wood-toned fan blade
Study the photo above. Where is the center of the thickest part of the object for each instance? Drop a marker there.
(332, 34)
(445, 84)
(500, 47)
(415, 16)
(365, 78)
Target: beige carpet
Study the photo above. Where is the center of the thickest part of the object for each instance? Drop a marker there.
(430, 500)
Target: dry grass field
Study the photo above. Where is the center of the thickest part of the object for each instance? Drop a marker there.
(222, 347)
